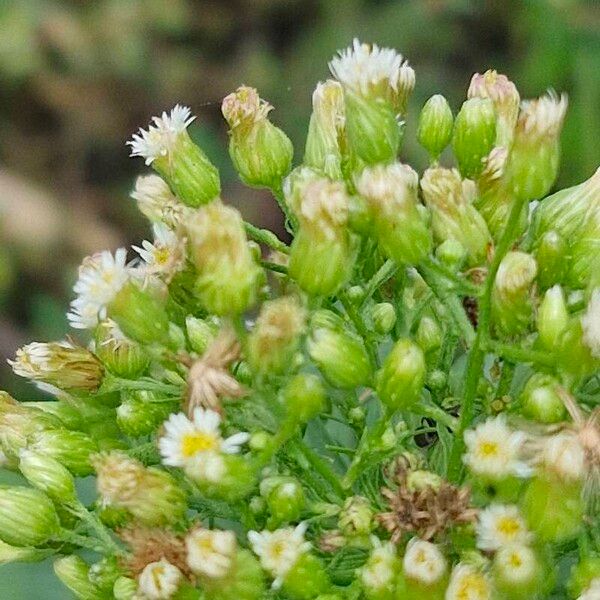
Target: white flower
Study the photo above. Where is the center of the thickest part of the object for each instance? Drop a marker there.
(516, 564)
(210, 552)
(157, 202)
(423, 561)
(592, 592)
(159, 138)
(185, 438)
(279, 550)
(590, 323)
(493, 450)
(379, 571)
(206, 466)
(159, 580)
(500, 525)
(368, 69)
(165, 255)
(101, 276)
(468, 583)
(543, 116)
(564, 454)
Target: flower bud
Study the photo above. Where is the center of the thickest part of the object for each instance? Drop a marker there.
(518, 572)
(540, 400)
(339, 354)
(551, 256)
(512, 309)
(61, 364)
(72, 449)
(124, 588)
(356, 517)
(451, 253)
(379, 573)
(120, 356)
(304, 397)
(424, 572)
(429, 334)
(10, 554)
(27, 516)
(474, 135)
(285, 499)
(384, 317)
(585, 252)
(505, 98)
(152, 496)
(200, 333)
(261, 153)
(435, 126)
(575, 353)
(140, 414)
(66, 413)
(552, 317)
(105, 572)
(228, 276)
(275, 337)
(535, 153)
(391, 194)
(326, 130)
(159, 580)
(48, 476)
(450, 201)
(73, 572)
(306, 579)
(156, 201)
(167, 146)
(322, 254)
(400, 380)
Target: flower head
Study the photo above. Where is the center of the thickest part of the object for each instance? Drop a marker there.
(494, 450)
(468, 583)
(380, 569)
(544, 116)
(244, 107)
(186, 438)
(423, 562)
(564, 454)
(165, 255)
(499, 526)
(516, 564)
(210, 552)
(159, 580)
(101, 277)
(157, 202)
(279, 550)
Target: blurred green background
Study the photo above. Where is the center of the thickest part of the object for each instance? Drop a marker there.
(78, 77)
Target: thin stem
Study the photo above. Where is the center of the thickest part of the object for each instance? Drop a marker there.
(92, 521)
(515, 354)
(271, 266)
(385, 272)
(83, 541)
(266, 237)
(431, 411)
(462, 284)
(291, 222)
(361, 328)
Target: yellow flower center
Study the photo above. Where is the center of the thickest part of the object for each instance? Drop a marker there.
(488, 449)
(515, 560)
(473, 587)
(161, 255)
(508, 526)
(198, 442)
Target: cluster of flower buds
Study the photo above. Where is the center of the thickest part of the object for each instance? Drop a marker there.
(399, 404)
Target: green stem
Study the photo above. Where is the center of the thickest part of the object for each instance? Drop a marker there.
(291, 222)
(92, 521)
(460, 283)
(431, 411)
(515, 354)
(361, 328)
(118, 384)
(271, 266)
(266, 237)
(477, 353)
(83, 541)
(385, 272)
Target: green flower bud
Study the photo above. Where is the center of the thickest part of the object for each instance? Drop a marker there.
(10, 554)
(450, 201)
(140, 314)
(401, 378)
(306, 579)
(322, 254)
(356, 415)
(120, 356)
(512, 309)
(72, 449)
(48, 476)
(139, 414)
(245, 582)
(437, 380)
(535, 153)
(391, 193)
(326, 130)
(429, 334)
(151, 495)
(451, 253)
(285, 499)
(275, 337)
(585, 252)
(356, 517)
(339, 354)
(474, 135)
(551, 255)
(505, 98)
(552, 317)
(73, 572)
(261, 153)
(125, 588)
(518, 572)
(356, 294)
(105, 572)
(61, 364)
(384, 317)
(67, 415)
(540, 400)
(200, 333)
(167, 146)
(435, 126)
(228, 276)
(27, 516)
(582, 574)
(574, 355)
(304, 397)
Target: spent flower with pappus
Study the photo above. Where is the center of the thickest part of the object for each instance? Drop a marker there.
(399, 401)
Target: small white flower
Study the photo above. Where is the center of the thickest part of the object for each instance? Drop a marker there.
(279, 550)
(206, 466)
(379, 571)
(592, 592)
(386, 184)
(564, 454)
(165, 255)
(494, 450)
(590, 323)
(210, 552)
(101, 276)
(468, 583)
(157, 202)
(159, 580)
(159, 138)
(185, 438)
(516, 564)
(543, 116)
(501, 525)
(424, 562)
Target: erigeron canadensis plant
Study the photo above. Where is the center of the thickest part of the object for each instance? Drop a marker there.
(397, 405)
